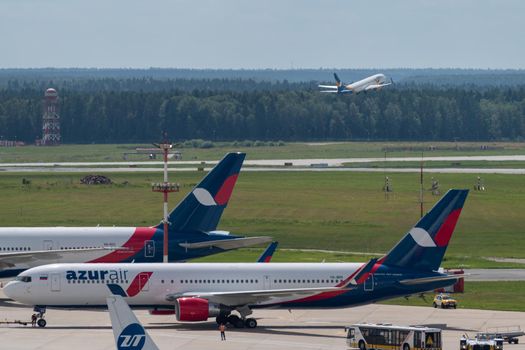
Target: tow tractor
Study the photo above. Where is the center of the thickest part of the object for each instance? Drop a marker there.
(480, 342)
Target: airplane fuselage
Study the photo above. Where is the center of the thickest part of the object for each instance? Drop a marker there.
(362, 85)
(136, 244)
(149, 285)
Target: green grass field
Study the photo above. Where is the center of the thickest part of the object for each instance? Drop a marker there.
(112, 152)
(506, 296)
(322, 210)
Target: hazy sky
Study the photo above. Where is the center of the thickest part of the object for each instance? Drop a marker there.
(262, 34)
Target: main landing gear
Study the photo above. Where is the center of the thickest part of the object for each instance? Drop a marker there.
(236, 321)
(40, 311)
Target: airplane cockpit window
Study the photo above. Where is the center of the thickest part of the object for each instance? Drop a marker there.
(24, 279)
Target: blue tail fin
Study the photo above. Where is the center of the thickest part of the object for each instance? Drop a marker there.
(267, 255)
(424, 246)
(202, 208)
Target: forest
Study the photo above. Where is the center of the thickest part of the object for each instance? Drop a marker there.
(139, 109)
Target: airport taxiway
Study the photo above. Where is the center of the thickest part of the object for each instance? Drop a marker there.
(278, 329)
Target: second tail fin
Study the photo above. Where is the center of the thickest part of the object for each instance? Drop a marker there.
(202, 208)
(424, 246)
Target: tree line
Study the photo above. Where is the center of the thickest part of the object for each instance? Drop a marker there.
(291, 112)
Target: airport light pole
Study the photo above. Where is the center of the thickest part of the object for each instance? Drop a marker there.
(165, 187)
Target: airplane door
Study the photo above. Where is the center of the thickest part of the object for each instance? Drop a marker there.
(47, 245)
(149, 249)
(266, 283)
(143, 282)
(369, 283)
(55, 282)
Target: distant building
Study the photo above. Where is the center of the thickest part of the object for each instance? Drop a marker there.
(50, 119)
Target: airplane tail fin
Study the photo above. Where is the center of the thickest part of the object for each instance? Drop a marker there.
(340, 85)
(267, 255)
(127, 330)
(424, 246)
(202, 208)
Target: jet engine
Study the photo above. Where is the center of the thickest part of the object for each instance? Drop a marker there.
(195, 309)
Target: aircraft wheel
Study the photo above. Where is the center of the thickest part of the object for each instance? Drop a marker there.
(41, 323)
(434, 304)
(221, 319)
(250, 323)
(406, 347)
(235, 321)
(362, 345)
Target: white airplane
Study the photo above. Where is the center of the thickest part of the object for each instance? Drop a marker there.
(127, 329)
(192, 232)
(374, 82)
(197, 291)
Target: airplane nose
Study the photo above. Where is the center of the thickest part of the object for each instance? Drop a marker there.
(9, 290)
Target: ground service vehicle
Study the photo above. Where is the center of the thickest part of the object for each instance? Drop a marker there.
(481, 342)
(444, 301)
(391, 337)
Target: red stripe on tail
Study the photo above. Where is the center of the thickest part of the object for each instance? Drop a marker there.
(224, 193)
(445, 231)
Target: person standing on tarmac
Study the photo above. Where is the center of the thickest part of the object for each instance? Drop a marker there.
(222, 328)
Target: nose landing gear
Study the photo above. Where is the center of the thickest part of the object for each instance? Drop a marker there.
(40, 311)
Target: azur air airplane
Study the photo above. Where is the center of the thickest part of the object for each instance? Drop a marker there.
(192, 232)
(230, 291)
(374, 82)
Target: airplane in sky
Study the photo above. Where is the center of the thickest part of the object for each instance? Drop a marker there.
(192, 232)
(230, 291)
(127, 329)
(374, 82)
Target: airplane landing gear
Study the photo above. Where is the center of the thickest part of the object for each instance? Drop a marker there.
(40, 311)
(236, 321)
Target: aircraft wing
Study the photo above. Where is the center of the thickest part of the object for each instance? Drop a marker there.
(235, 298)
(13, 258)
(423, 280)
(327, 87)
(376, 86)
(228, 244)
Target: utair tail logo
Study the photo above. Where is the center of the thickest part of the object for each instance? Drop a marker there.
(132, 337)
(139, 283)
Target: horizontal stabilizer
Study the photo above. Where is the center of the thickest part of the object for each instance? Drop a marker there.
(327, 87)
(423, 280)
(331, 91)
(228, 244)
(12, 258)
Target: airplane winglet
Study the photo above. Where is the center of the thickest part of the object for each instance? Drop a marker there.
(128, 331)
(267, 255)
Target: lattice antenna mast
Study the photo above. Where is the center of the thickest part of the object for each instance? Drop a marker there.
(165, 188)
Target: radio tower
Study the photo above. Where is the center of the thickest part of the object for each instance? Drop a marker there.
(50, 119)
(165, 187)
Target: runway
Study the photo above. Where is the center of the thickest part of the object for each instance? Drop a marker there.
(278, 329)
(318, 164)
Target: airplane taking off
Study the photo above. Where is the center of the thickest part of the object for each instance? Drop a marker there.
(192, 232)
(127, 329)
(198, 291)
(374, 82)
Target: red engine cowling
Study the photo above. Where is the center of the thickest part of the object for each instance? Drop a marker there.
(195, 309)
